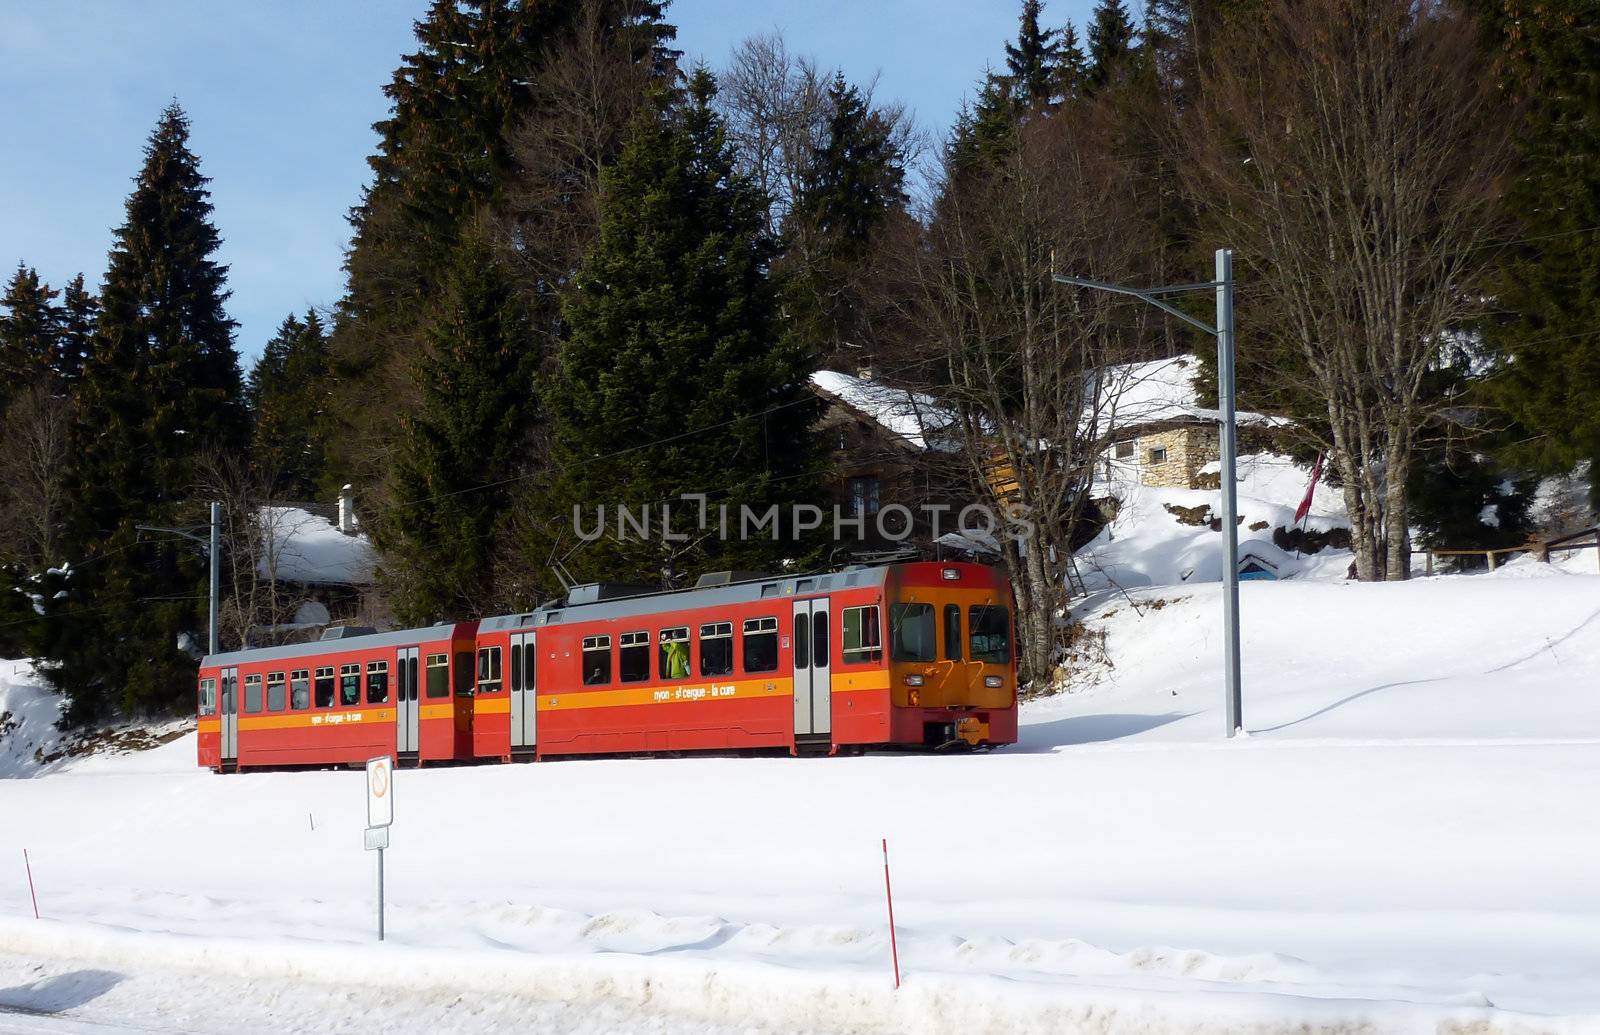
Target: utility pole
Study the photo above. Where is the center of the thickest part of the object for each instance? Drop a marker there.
(214, 548)
(1228, 439)
(216, 574)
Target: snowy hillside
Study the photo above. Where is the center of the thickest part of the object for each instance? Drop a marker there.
(1404, 842)
(1163, 536)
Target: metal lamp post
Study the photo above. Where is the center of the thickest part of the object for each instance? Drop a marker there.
(214, 547)
(1223, 332)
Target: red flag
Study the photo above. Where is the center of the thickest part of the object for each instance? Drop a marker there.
(1304, 508)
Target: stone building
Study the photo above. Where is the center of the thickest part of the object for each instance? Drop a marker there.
(1157, 433)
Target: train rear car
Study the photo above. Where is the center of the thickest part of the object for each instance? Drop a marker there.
(339, 700)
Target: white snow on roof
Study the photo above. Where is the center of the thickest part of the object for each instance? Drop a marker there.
(308, 548)
(1160, 391)
(913, 416)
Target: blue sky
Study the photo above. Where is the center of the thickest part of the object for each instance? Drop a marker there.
(283, 95)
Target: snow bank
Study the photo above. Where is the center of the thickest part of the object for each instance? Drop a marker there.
(308, 548)
(28, 714)
(399, 987)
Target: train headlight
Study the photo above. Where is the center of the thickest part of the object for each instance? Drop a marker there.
(913, 698)
(993, 681)
(951, 574)
(914, 681)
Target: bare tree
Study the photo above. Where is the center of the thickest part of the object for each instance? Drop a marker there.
(1025, 363)
(776, 107)
(594, 84)
(253, 536)
(1353, 154)
(33, 453)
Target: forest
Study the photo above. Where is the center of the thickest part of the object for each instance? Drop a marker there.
(586, 271)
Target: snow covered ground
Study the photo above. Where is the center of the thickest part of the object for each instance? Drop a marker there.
(1405, 841)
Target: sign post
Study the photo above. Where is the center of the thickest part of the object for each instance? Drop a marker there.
(380, 814)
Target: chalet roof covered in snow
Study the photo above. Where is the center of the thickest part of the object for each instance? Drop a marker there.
(917, 418)
(308, 548)
(1157, 392)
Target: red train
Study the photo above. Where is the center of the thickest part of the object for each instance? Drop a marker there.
(914, 654)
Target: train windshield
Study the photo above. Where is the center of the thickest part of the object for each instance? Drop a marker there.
(990, 629)
(911, 632)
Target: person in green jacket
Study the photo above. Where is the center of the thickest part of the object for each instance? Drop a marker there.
(677, 653)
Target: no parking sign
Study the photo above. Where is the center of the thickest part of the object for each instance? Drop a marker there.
(380, 813)
(380, 791)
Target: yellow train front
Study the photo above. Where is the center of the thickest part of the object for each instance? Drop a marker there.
(915, 655)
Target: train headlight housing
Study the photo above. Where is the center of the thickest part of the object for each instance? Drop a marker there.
(951, 574)
(993, 682)
(914, 681)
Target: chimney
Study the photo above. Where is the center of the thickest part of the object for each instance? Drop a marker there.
(347, 510)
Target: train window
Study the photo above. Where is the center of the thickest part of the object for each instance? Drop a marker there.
(488, 670)
(862, 639)
(208, 697)
(325, 687)
(952, 632)
(275, 694)
(252, 693)
(990, 628)
(438, 675)
(716, 649)
(300, 689)
(463, 677)
(377, 682)
(802, 642)
(349, 685)
(516, 666)
(596, 660)
(675, 653)
(911, 632)
(761, 645)
(819, 638)
(633, 657)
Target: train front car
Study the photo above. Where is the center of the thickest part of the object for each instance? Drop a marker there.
(951, 655)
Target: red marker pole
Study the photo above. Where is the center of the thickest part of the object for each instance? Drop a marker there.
(31, 894)
(888, 893)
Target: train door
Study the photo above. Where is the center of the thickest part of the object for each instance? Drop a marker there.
(405, 701)
(524, 703)
(813, 705)
(230, 715)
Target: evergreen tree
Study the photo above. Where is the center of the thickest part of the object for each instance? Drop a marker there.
(1072, 66)
(1550, 348)
(985, 130)
(450, 483)
(445, 153)
(161, 388)
(27, 332)
(1111, 42)
(1034, 61)
(851, 184)
(676, 377)
(287, 392)
(1169, 40)
(77, 315)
